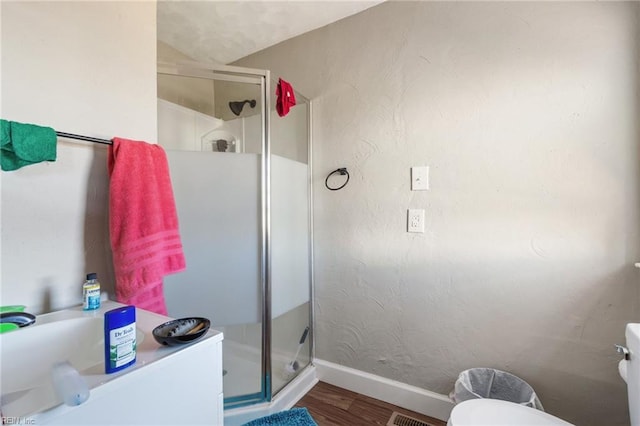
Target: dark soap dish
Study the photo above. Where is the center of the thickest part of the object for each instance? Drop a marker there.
(21, 319)
(181, 331)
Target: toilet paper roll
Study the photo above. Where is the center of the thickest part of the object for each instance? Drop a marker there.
(622, 369)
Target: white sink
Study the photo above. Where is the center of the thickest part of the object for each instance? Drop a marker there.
(30, 353)
(77, 337)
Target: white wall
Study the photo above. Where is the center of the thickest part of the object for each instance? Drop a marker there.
(80, 67)
(181, 128)
(527, 114)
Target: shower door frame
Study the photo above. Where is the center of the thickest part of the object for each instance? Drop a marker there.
(253, 76)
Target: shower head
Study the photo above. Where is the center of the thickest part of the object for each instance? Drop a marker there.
(236, 107)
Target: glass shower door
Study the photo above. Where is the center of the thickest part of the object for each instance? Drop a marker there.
(213, 126)
(290, 243)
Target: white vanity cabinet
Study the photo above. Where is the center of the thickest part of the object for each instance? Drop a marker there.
(184, 388)
(168, 385)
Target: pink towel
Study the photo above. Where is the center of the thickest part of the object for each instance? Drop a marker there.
(143, 223)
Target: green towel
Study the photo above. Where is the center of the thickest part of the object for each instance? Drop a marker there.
(25, 144)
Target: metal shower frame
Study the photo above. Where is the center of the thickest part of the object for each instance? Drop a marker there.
(261, 77)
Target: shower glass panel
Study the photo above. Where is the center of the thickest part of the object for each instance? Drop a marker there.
(241, 178)
(215, 144)
(290, 242)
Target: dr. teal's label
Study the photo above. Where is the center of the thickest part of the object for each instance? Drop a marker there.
(122, 345)
(91, 297)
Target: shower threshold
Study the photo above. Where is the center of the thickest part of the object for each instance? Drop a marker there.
(284, 400)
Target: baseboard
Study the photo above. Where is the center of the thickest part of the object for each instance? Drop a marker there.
(406, 396)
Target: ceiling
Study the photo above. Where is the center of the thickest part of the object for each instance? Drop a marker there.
(225, 31)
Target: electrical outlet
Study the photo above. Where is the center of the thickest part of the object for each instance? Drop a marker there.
(415, 220)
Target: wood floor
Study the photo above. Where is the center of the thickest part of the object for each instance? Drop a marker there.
(330, 406)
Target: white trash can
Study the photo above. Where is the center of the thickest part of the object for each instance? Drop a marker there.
(494, 384)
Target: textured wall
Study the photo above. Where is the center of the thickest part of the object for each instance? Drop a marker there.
(527, 114)
(223, 31)
(80, 67)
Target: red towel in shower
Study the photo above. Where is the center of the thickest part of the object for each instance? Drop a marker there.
(143, 223)
(286, 98)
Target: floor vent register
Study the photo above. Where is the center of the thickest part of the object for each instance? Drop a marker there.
(398, 419)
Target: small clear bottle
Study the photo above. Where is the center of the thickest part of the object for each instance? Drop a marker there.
(91, 293)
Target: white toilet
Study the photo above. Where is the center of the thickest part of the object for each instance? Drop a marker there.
(494, 412)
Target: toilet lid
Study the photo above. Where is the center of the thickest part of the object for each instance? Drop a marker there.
(494, 412)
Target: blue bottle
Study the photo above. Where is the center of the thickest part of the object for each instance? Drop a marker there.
(119, 338)
(91, 293)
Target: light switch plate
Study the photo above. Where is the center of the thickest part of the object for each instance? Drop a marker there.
(420, 178)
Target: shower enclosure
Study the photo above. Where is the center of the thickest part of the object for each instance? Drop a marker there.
(241, 178)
